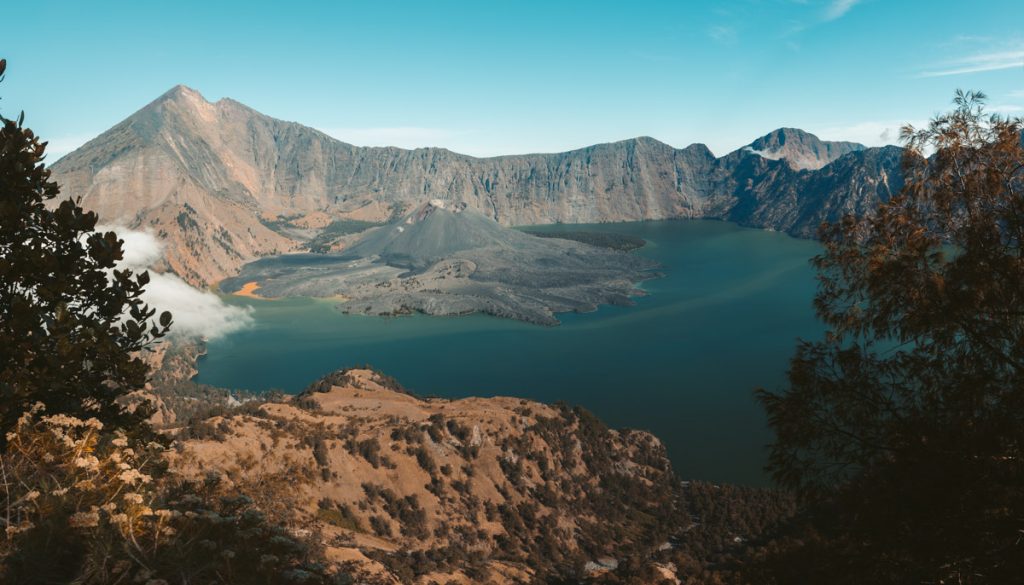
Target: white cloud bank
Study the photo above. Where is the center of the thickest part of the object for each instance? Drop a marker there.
(197, 313)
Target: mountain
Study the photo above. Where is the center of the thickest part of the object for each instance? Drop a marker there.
(222, 184)
(802, 150)
(775, 196)
(433, 232)
(446, 259)
(174, 167)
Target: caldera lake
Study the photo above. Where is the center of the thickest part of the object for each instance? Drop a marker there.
(682, 363)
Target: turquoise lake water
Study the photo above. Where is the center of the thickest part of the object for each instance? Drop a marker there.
(682, 363)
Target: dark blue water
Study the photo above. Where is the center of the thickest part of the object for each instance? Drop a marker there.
(683, 363)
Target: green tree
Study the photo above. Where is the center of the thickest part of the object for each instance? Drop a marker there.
(71, 323)
(903, 429)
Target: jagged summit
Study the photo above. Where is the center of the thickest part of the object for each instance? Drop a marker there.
(179, 101)
(801, 149)
(181, 91)
(190, 96)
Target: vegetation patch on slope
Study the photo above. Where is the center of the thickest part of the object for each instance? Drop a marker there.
(620, 242)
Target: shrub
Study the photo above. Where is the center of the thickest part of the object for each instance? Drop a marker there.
(90, 507)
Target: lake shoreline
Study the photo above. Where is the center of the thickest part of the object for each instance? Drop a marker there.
(668, 364)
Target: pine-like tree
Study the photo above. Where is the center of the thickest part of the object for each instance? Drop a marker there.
(904, 428)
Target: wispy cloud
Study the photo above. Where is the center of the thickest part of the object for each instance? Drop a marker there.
(1005, 109)
(968, 39)
(814, 16)
(400, 136)
(724, 35)
(978, 63)
(1016, 94)
(869, 133)
(838, 8)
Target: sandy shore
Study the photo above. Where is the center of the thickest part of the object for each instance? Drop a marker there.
(249, 290)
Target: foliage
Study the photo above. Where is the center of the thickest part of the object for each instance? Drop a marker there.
(71, 322)
(84, 497)
(82, 506)
(613, 241)
(903, 428)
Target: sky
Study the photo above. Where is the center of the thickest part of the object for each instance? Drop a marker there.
(498, 77)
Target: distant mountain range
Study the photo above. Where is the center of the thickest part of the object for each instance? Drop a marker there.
(223, 184)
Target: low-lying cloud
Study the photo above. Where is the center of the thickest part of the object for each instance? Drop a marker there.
(197, 313)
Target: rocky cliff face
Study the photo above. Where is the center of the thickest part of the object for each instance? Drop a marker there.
(219, 181)
(406, 490)
(771, 194)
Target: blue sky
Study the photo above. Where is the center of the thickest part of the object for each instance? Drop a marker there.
(493, 77)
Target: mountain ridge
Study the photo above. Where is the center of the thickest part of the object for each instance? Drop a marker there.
(773, 137)
(216, 180)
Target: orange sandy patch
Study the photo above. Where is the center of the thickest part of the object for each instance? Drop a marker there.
(249, 290)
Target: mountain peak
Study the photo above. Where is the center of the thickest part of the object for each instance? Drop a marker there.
(181, 101)
(801, 149)
(181, 92)
(782, 135)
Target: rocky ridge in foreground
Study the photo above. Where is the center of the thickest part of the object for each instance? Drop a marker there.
(406, 490)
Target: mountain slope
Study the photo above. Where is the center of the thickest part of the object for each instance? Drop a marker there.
(170, 168)
(223, 184)
(771, 194)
